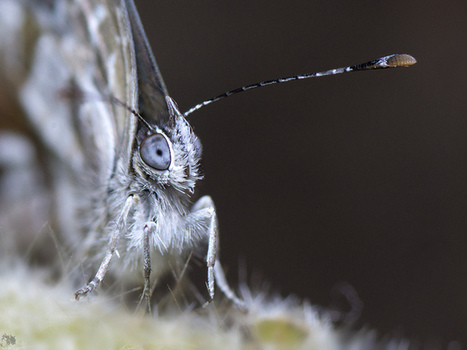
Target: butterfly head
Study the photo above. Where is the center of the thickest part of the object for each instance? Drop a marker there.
(169, 155)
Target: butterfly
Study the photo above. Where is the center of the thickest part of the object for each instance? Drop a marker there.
(122, 159)
(122, 162)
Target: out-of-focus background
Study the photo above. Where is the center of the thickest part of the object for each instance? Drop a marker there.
(359, 178)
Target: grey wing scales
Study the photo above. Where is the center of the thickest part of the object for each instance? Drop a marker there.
(151, 88)
(88, 44)
(48, 46)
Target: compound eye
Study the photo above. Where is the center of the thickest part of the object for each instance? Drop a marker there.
(155, 152)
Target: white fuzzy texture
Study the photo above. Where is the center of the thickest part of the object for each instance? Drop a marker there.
(37, 315)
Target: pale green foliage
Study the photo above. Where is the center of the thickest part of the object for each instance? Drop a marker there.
(40, 316)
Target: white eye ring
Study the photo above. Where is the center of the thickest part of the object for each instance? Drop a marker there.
(156, 152)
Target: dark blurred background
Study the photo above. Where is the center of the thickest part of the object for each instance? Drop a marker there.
(359, 178)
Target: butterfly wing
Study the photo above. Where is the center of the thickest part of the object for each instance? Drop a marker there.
(151, 87)
(48, 47)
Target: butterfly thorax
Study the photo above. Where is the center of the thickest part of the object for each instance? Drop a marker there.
(164, 195)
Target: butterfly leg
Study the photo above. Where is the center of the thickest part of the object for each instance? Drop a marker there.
(148, 231)
(205, 205)
(111, 248)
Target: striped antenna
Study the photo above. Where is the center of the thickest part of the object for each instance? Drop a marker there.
(391, 61)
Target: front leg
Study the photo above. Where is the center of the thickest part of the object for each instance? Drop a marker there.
(148, 231)
(204, 208)
(131, 201)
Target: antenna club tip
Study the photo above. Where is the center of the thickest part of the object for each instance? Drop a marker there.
(401, 60)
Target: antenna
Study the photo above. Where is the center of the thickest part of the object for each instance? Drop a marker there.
(391, 61)
(73, 92)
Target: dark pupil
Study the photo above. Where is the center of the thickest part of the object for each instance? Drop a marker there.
(155, 152)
